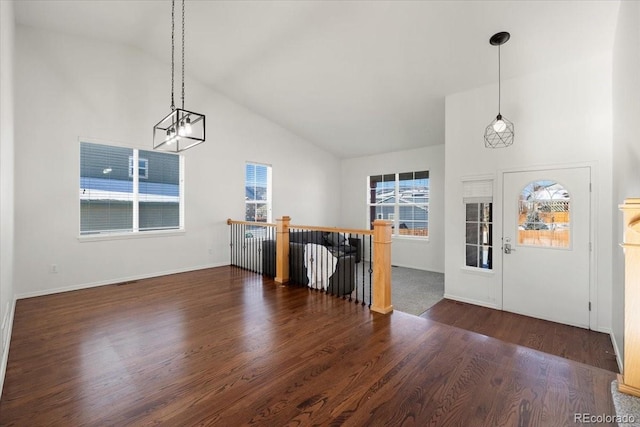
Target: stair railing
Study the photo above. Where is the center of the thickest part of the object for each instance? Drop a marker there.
(362, 258)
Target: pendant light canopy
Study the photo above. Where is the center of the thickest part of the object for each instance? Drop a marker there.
(180, 129)
(499, 133)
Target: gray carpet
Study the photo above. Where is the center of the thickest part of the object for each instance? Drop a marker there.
(412, 291)
(415, 291)
(627, 407)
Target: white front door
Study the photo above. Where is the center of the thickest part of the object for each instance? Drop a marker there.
(546, 244)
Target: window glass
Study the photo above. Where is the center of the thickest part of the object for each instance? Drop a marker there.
(544, 215)
(143, 168)
(402, 198)
(159, 194)
(478, 235)
(109, 202)
(257, 192)
(106, 189)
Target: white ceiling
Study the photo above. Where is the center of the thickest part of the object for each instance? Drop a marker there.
(355, 77)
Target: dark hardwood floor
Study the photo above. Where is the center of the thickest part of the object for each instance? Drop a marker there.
(226, 347)
(581, 345)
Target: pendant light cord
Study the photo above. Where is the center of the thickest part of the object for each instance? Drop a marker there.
(499, 80)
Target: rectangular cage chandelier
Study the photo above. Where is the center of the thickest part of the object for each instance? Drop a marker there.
(180, 129)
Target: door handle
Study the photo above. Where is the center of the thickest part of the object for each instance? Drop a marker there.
(508, 249)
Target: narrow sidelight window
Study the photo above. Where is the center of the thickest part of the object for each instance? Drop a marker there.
(479, 231)
(257, 192)
(478, 206)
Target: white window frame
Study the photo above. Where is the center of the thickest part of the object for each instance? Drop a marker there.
(395, 216)
(476, 190)
(135, 232)
(268, 201)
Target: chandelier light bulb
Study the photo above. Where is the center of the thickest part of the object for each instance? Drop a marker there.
(187, 126)
(171, 135)
(499, 126)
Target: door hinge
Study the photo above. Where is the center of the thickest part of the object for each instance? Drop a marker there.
(589, 305)
(589, 187)
(590, 247)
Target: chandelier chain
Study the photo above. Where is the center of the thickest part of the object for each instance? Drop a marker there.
(180, 129)
(183, 54)
(173, 49)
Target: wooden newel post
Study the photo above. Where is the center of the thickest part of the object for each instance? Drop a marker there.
(282, 250)
(382, 267)
(629, 381)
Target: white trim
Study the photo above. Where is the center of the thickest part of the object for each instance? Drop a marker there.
(130, 235)
(422, 239)
(617, 350)
(181, 195)
(117, 280)
(593, 259)
(113, 143)
(269, 193)
(484, 177)
(471, 301)
(421, 268)
(477, 271)
(136, 188)
(7, 344)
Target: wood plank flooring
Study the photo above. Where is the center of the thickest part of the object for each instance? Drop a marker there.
(581, 345)
(226, 347)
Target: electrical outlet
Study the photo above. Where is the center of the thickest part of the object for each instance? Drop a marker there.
(210, 251)
(53, 268)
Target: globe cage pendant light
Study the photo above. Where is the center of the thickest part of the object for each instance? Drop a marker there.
(499, 133)
(180, 129)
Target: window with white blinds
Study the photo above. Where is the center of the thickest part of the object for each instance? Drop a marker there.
(116, 197)
(257, 192)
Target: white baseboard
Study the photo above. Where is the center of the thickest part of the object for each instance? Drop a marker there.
(471, 301)
(114, 281)
(6, 343)
(618, 352)
(421, 268)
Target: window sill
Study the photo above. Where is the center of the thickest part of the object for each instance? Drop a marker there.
(477, 271)
(411, 238)
(131, 235)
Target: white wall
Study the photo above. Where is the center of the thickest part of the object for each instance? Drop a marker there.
(561, 116)
(413, 253)
(6, 180)
(626, 143)
(68, 88)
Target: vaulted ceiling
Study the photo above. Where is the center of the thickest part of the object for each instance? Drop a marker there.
(354, 77)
